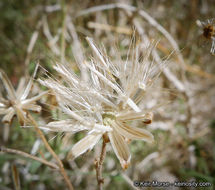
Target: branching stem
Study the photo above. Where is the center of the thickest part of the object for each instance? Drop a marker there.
(26, 155)
(99, 163)
(48, 147)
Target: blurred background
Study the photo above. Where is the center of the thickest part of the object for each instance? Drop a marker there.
(184, 129)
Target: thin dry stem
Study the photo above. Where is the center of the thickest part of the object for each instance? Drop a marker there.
(16, 179)
(200, 134)
(51, 40)
(169, 75)
(143, 14)
(63, 45)
(77, 49)
(31, 45)
(6, 131)
(99, 163)
(26, 155)
(48, 147)
(121, 30)
(129, 181)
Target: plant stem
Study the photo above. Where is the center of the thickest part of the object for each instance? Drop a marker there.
(26, 155)
(99, 163)
(63, 45)
(48, 147)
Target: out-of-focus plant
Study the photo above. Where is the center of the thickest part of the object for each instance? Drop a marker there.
(16, 101)
(18, 104)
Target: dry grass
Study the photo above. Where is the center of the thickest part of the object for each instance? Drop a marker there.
(183, 124)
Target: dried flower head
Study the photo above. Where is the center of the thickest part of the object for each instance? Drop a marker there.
(16, 101)
(107, 103)
(209, 32)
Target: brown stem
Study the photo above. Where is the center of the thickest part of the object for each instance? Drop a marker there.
(16, 178)
(99, 163)
(26, 155)
(48, 147)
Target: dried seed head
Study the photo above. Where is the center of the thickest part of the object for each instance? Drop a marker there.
(107, 103)
(17, 102)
